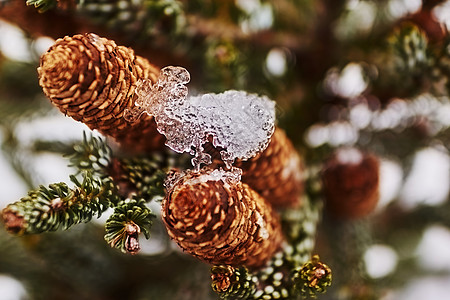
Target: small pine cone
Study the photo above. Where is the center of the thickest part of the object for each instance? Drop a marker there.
(231, 283)
(276, 173)
(410, 49)
(130, 218)
(215, 217)
(312, 278)
(350, 183)
(92, 80)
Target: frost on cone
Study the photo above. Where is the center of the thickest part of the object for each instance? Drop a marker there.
(215, 217)
(92, 80)
(276, 173)
(351, 183)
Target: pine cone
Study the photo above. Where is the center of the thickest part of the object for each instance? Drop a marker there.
(232, 283)
(410, 49)
(130, 218)
(312, 278)
(350, 183)
(92, 80)
(220, 220)
(276, 173)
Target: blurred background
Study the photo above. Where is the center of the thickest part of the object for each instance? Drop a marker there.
(371, 75)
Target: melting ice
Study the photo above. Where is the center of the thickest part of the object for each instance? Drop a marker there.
(240, 123)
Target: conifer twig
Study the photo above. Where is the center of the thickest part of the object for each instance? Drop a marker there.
(59, 206)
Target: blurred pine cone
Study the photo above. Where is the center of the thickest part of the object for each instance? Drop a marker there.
(351, 183)
(92, 80)
(232, 283)
(220, 220)
(276, 173)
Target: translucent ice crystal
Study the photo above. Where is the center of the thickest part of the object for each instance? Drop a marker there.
(228, 178)
(239, 123)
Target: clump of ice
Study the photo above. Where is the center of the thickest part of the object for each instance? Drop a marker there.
(231, 177)
(239, 123)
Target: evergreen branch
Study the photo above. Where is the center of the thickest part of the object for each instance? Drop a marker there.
(274, 280)
(300, 224)
(92, 154)
(137, 18)
(142, 176)
(58, 206)
(43, 5)
(279, 280)
(130, 218)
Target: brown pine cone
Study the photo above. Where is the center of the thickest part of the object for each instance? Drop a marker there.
(276, 173)
(220, 220)
(92, 80)
(351, 183)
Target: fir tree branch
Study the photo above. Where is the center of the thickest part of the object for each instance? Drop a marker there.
(300, 224)
(92, 155)
(59, 206)
(141, 176)
(139, 19)
(105, 182)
